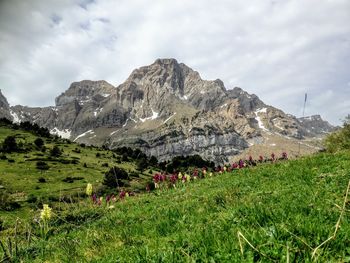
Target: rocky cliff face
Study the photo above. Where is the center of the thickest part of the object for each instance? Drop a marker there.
(4, 107)
(166, 109)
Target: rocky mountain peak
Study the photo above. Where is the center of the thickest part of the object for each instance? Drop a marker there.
(84, 91)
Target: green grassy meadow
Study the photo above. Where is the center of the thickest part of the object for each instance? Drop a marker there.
(269, 213)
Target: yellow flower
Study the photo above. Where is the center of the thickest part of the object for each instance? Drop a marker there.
(211, 174)
(225, 168)
(46, 213)
(89, 189)
(188, 177)
(180, 175)
(126, 194)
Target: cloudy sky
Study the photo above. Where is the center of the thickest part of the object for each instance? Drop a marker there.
(276, 49)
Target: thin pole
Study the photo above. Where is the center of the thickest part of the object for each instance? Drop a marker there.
(305, 99)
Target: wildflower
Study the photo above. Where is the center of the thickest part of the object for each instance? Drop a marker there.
(157, 178)
(173, 179)
(241, 163)
(261, 159)
(225, 168)
(284, 156)
(123, 194)
(94, 198)
(210, 174)
(46, 213)
(89, 189)
(180, 176)
(204, 172)
(111, 207)
(234, 166)
(108, 199)
(273, 156)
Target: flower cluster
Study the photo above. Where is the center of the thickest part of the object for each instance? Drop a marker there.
(162, 180)
(46, 213)
(111, 198)
(89, 189)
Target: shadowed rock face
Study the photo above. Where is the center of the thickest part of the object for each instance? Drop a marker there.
(166, 109)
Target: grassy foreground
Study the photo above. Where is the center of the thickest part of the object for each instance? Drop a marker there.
(270, 213)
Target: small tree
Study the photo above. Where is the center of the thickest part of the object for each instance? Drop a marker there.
(42, 165)
(39, 143)
(115, 177)
(142, 164)
(55, 151)
(10, 144)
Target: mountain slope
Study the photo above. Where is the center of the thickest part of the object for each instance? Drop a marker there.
(166, 109)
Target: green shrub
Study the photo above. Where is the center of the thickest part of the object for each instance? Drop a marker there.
(42, 165)
(10, 144)
(55, 151)
(115, 177)
(39, 143)
(339, 140)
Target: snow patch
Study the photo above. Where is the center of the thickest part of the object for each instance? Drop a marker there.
(83, 134)
(98, 111)
(105, 95)
(65, 134)
(279, 127)
(222, 106)
(126, 122)
(113, 132)
(184, 98)
(153, 117)
(169, 117)
(261, 124)
(15, 117)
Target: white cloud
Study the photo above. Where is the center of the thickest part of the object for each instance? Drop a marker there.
(276, 49)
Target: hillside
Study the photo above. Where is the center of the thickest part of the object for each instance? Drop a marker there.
(267, 213)
(58, 178)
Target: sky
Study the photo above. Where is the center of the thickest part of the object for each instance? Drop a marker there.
(278, 50)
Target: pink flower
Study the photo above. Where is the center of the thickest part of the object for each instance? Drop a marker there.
(284, 156)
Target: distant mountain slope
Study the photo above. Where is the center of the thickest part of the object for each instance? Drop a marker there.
(166, 109)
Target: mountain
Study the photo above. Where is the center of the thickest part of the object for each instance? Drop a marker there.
(166, 109)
